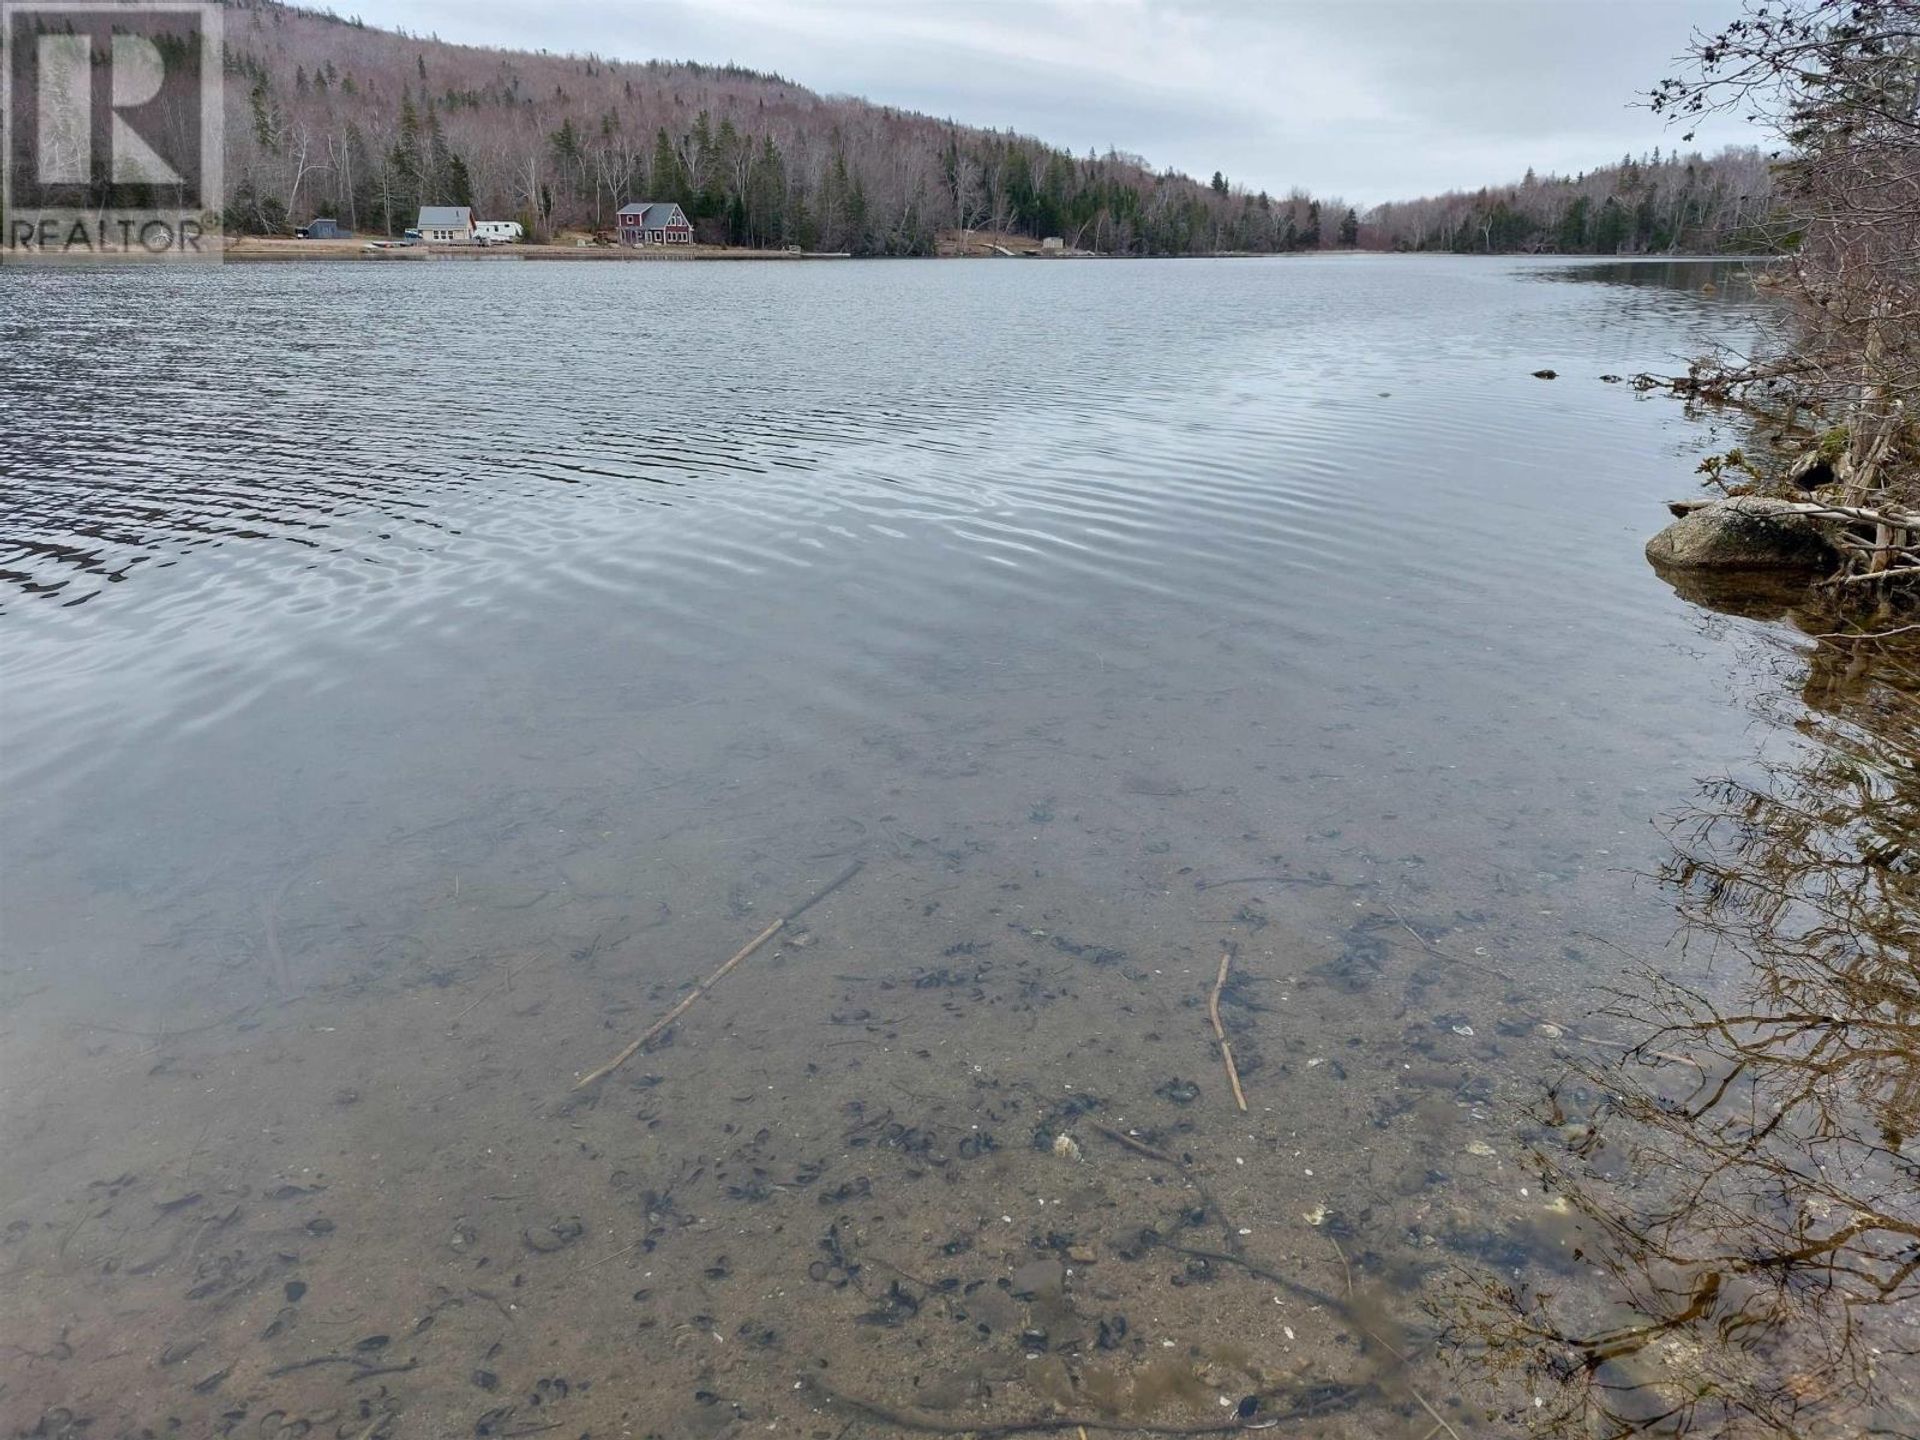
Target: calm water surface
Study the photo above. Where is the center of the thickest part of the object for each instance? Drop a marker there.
(417, 677)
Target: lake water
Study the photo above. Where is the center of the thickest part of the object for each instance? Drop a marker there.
(419, 676)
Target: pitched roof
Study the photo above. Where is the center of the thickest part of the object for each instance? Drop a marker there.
(445, 217)
(650, 214)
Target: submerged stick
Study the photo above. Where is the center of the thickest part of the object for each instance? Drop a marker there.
(654, 1031)
(1139, 1147)
(270, 914)
(1440, 1420)
(825, 890)
(1220, 1031)
(1308, 1403)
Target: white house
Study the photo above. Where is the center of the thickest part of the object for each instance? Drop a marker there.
(451, 223)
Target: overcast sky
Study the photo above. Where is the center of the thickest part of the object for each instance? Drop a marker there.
(1366, 99)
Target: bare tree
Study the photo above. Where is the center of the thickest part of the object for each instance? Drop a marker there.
(340, 162)
(298, 145)
(1839, 82)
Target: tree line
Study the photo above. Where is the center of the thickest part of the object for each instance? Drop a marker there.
(329, 116)
(1650, 205)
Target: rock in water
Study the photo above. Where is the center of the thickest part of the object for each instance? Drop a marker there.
(1746, 532)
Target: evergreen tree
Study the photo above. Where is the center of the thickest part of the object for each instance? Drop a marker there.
(766, 198)
(357, 184)
(1610, 232)
(667, 177)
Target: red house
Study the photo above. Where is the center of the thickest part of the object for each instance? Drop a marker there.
(654, 222)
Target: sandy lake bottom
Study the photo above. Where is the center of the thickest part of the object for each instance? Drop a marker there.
(417, 679)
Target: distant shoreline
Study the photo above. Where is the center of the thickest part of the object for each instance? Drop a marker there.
(249, 250)
(252, 250)
(953, 245)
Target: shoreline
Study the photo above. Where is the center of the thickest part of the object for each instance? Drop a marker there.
(250, 251)
(275, 252)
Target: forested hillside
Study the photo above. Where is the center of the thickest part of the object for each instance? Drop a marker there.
(1653, 205)
(328, 116)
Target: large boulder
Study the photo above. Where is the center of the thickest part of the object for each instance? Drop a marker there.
(1745, 532)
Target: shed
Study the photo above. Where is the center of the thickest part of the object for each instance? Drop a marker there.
(324, 229)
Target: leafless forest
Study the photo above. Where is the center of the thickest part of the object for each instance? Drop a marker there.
(328, 116)
(1656, 204)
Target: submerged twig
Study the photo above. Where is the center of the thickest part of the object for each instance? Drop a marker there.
(654, 1030)
(1439, 1419)
(1254, 1268)
(1220, 1031)
(1308, 1403)
(659, 1026)
(484, 996)
(1435, 950)
(1260, 880)
(1139, 1147)
(270, 917)
(608, 1259)
(311, 1361)
(1348, 1269)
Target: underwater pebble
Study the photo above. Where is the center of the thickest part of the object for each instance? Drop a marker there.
(1479, 1147)
(1466, 1030)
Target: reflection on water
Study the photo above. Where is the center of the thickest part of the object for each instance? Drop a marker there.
(401, 719)
(1742, 1176)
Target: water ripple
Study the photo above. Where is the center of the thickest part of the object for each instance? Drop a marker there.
(273, 474)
